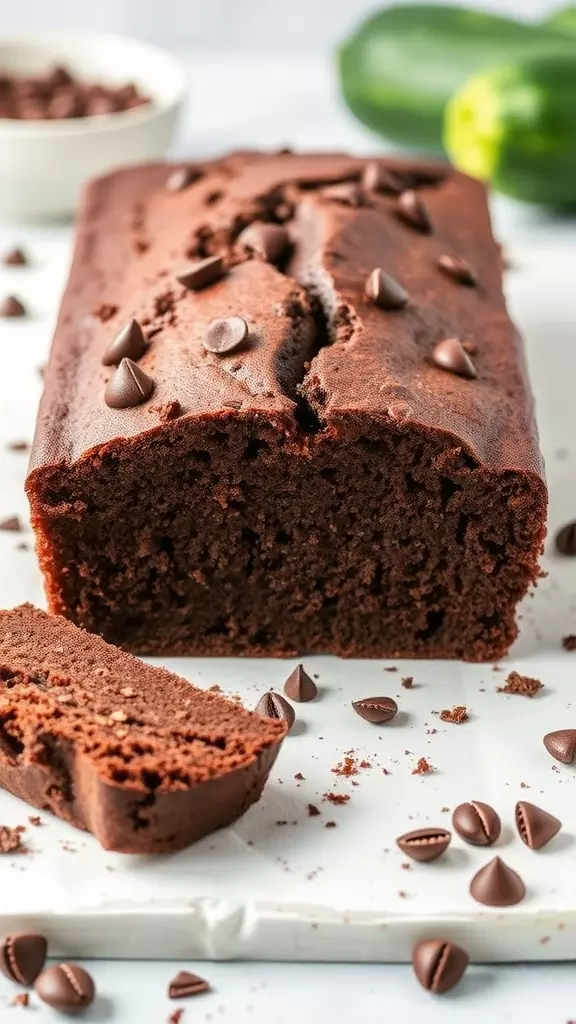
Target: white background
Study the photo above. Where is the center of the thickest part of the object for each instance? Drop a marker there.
(301, 26)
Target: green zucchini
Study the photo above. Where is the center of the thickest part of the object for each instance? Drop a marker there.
(564, 19)
(399, 69)
(515, 127)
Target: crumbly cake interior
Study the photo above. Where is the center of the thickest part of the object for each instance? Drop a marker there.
(61, 689)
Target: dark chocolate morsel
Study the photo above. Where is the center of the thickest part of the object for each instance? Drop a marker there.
(11, 307)
(22, 956)
(477, 823)
(450, 355)
(561, 745)
(129, 386)
(225, 335)
(565, 539)
(439, 964)
(66, 987)
(411, 209)
(273, 705)
(425, 844)
(130, 343)
(299, 686)
(202, 273)
(269, 241)
(497, 885)
(376, 709)
(458, 269)
(186, 984)
(384, 291)
(536, 827)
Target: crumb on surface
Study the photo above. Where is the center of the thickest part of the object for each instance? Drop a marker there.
(215, 688)
(176, 1016)
(167, 411)
(423, 767)
(569, 642)
(330, 824)
(299, 776)
(458, 714)
(392, 668)
(337, 798)
(347, 767)
(35, 820)
(524, 686)
(21, 999)
(408, 682)
(11, 839)
(313, 811)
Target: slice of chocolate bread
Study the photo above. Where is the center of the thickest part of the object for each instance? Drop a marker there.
(358, 474)
(135, 754)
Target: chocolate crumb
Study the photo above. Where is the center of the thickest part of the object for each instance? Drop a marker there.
(21, 999)
(11, 525)
(11, 839)
(105, 311)
(569, 642)
(423, 767)
(176, 1016)
(330, 824)
(299, 776)
(458, 714)
(525, 686)
(402, 894)
(17, 446)
(15, 257)
(337, 798)
(167, 412)
(408, 682)
(392, 668)
(313, 811)
(35, 820)
(406, 866)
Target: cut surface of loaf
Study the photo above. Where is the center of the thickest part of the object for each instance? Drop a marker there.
(138, 756)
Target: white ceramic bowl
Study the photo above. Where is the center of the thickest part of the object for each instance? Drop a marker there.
(43, 164)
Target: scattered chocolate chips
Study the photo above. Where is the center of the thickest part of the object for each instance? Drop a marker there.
(376, 178)
(565, 540)
(439, 964)
(56, 94)
(411, 209)
(128, 387)
(477, 823)
(497, 885)
(66, 987)
(128, 344)
(525, 686)
(561, 745)
(408, 682)
(313, 811)
(11, 307)
(186, 984)
(458, 269)
(299, 686)
(23, 956)
(225, 334)
(202, 273)
(349, 193)
(273, 705)
(270, 241)
(450, 355)
(182, 178)
(569, 642)
(376, 709)
(536, 827)
(425, 844)
(15, 258)
(11, 525)
(384, 291)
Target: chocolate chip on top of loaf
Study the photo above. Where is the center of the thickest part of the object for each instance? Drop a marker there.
(354, 468)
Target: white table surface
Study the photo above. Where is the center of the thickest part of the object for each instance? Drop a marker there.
(269, 102)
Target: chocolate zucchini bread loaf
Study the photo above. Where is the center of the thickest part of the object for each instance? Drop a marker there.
(134, 754)
(286, 411)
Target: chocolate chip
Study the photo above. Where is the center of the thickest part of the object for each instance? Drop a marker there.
(299, 686)
(439, 964)
(458, 269)
(182, 178)
(15, 258)
(565, 539)
(128, 387)
(23, 956)
(561, 745)
(349, 193)
(11, 525)
(273, 705)
(477, 823)
(202, 273)
(269, 241)
(187, 984)
(411, 209)
(536, 827)
(66, 987)
(225, 335)
(376, 178)
(450, 355)
(11, 307)
(376, 709)
(129, 343)
(18, 446)
(385, 291)
(497, 885)
(425, 844)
